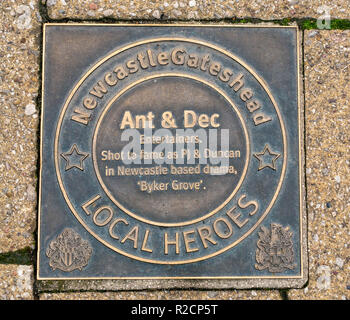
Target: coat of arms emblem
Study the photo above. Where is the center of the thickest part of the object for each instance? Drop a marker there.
(275, 249)
(68, 251)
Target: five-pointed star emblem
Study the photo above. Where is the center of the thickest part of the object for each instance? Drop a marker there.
(267, 158)
(74, 158)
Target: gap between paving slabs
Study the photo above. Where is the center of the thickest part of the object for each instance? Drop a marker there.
(23, 256)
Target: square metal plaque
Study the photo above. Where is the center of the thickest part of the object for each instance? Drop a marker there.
(172, 152)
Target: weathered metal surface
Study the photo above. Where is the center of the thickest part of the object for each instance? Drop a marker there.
(171, 152)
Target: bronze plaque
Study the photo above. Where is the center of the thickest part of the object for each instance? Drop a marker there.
(172, 152)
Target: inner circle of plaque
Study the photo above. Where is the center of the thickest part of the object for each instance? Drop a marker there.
(175, 200)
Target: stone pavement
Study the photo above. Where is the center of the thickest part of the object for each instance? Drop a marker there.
(194, 9)
(327, 139)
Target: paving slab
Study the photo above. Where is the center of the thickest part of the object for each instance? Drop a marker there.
(327, 114)
(196, 9)
(19, 83)
(16, 282)
(167, 295)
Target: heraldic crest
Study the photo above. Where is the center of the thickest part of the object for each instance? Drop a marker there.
(69, 251)
(275, 249)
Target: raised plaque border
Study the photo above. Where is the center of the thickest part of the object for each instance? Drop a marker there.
(239, 282)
